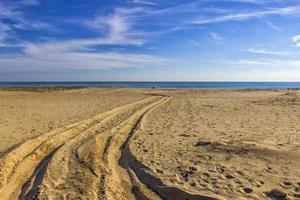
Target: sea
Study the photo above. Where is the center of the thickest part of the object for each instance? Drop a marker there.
(165, 85)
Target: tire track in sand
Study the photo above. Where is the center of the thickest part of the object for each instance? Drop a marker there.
(129, 178)
(80, 166)
(86, 163)
(119, 183)
(88, 160)
(18, 165)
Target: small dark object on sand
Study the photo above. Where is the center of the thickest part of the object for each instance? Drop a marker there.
(247, 190)
(228, 176)
(276, 194)
(202, 143)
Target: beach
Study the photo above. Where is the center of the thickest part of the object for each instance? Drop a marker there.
(121, 143)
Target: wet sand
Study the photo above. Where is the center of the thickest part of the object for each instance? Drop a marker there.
(93, 143)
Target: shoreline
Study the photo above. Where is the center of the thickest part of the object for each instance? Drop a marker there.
(157, 85)
(62, 88)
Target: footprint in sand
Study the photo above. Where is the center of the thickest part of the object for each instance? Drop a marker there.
(159, 171)
(205, 175)
(247, 190)
(220, 168)
(228, 176)
(193, 184)
(286, 184)
(185, 173)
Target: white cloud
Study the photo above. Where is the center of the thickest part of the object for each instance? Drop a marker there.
(241, 16)
(246, 62)
(29, 2)
(195, 42)
(193, 14)
(40, 61)
(268, 52)
(144, 2)
(119, 25)
(296, 40)
(216, 37)
(16, 20)
(75, 54)
(72, 55)
(120, 28)
(254, 1)
(267, 62)
(272, 25)
(8, 11)
(4, 29)
(81, 54)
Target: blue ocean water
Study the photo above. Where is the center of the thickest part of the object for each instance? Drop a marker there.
(182, 85)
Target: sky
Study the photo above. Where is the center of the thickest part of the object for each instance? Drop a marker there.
(150, 40)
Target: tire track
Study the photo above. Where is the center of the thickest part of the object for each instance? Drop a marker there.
(119, 184)
(145, 185)
(30, 187)
(89, 169)
(17, 166)
(80, 165)
(90, 159)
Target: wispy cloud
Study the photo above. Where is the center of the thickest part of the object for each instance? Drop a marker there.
(272, 25)
(268, 52)
(296, 40)
(267, 62)
(240, 16)
(8, 11)
(135, 24)
(195, 42)
(80, 53)
(40, 61)
(216, 37)
(253, 1)
(13, 19)
(198, 13)
(143, 2)
(4, 29)
(119, 25)
(29, 2)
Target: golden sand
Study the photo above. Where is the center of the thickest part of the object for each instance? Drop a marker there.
(149, 144)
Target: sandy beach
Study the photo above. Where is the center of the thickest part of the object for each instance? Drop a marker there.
(104, 143)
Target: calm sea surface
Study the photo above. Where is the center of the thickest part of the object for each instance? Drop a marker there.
(222, 85)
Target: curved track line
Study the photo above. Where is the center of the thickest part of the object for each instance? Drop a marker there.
(145, 184)
(71, 159)
(118, 183)
(17, 165)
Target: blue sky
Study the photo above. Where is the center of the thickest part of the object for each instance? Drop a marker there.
(150, 40)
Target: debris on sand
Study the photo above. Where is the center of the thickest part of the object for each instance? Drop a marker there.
(202, 143)
(276, 194)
